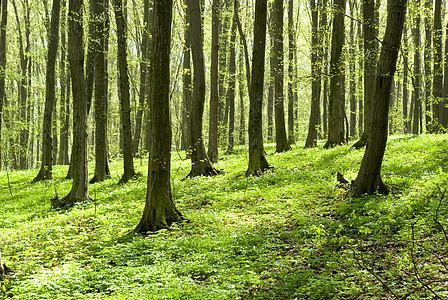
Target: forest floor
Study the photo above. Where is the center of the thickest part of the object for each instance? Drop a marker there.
(289, 234)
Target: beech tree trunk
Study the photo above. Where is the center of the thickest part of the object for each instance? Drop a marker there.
(3, 23)
(281, 139)
(427, 66)
(160, 211)
(46, 168)
(270, 102)
(144, 75)
(291, 74)
(231, 83)
(100, 9)
(214, 87)
(443, 119)
(406, 123)
(80, 186)
(257, 160)
(417, 74)
(336, 105)
(125, 104)
(438, 69)
(187, 93)
(311, 140)
(369, 176)
(200, 162)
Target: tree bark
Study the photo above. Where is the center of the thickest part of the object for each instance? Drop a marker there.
(407, 127)
(281, 140)
(291, 73)
(370, 61)
(242, 129)
(4, 19)
(417, 73)
(160, 211)
(200, 162)
(443, 120)
(100, 9)
(231, 83)
(369, 176)
(80, 186)
(214, 87)
(336, 105)
(125, 105)
(438, 69)
(257, 160)
(311, 140)
(144, 76)
(46, 168)
(187, 93)
(270, 102)
(352, 74)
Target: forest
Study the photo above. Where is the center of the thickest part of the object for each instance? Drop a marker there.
(223, 149)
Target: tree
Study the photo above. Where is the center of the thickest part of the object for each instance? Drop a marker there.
(232, 80)
(80, 187)
(200, 162)
(438, 66)
(370, 61)
(369, 175)
(443, 119)
(144, 72)
(186, 88)
(257, 160)
(311, 139)
(407, 126)
(214, 87)
(125, 105)
(291, 75)
(46, 168)
(428, 56)
(417, 74)
(336, 103)
(352, 74)
(100, 9)
(3, 23)
(160, 211)
(279, 116)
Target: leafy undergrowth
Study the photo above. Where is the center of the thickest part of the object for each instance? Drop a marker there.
(289, 234)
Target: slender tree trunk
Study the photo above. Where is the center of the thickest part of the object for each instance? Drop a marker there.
(417, 74)
(242, 130)
(214, 87)
(160, 211)
(280, 131)
(311, 140)
(443, 119)
(370, 61)
(291, 75)
(360, 67)
(438, 66)
(128, 161)
(4, 19)
(187, 93)
(231, 84)
(407, 128)
(336, 105)
(80, 187)
(369, 176)
(243, 42)
(257, 160)
(200, 162)
(427, 65)
(144, 68)
(270, 106)
(352, 74)
(46, 168)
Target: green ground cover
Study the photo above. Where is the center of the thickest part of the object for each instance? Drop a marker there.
(289, 234)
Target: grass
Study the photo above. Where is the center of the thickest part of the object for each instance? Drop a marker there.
(286, 235)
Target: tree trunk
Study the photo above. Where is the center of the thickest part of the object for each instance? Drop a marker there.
(187, 93)
(100, 9)
(80, 187)
(214, 87)
(144, 78)
(125, 105)
(281, 140)
(443, 120)
(407, 127)
(369, 176)
(427, 65)
(352, 74)
(438, 67)
(270, 106)
(336, 105)
(242, 130)
(311, 140)
(46, 168)
(257, 160)
(231, 83)
(4, 19)
(160, 211)
(291, 74)
(417, 74)
(200, 162)
(370, 61)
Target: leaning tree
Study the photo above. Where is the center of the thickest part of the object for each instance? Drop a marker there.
(369, 176)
